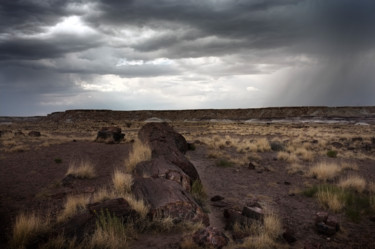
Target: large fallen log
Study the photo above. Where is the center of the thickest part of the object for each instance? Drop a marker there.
(167, 144)
(167, 198)
(160, 168)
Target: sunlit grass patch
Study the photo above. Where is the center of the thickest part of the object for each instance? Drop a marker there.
(140, 152)
(122, 182)
(325, 171)
(25, 228)
(81, 169)
(354, 182)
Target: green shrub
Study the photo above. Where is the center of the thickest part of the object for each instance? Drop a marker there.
(223, 163)
(332, 153)
(58, 160)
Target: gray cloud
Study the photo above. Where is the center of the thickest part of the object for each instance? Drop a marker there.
(206, 53)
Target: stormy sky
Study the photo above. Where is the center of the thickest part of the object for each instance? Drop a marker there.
(172, 54)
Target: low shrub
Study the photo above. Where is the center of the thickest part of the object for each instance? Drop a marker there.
(332, 153)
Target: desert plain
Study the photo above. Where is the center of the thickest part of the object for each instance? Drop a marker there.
(308, 172)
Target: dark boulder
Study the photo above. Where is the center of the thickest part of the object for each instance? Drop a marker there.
(160, 168)
(168, 199)
(34, 134)
(167, 144)
(110, 135)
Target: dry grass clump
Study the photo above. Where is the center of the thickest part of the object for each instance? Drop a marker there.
(354, 182)
(138, 205)
(295, 168)
(110, 233)
(349, 166)
(262, 145)
(81, 169)
(103, 194)
(288, 157)
(122, 182)
(304, 154)
(325, 171)
(330, 199)
(139, 153)
(262, 235)
(73, 205)
(27, 227)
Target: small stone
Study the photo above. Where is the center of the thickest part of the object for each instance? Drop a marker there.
(253, 213)
(210, 237)
(217, 198)
(323, 228)
(251, 166)
(34, 134)
(321, 217)
(287, 183)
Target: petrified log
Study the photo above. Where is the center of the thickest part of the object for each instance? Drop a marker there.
(168, 199)
(110, 135)
(167, 144)
(160, 168)
(156, 133)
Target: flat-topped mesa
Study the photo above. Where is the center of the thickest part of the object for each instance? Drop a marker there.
(168, 145)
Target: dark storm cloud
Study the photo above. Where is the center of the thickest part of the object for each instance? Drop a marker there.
(325, 45)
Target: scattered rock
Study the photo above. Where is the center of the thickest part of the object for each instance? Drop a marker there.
(217, 198)
(110, 135)
(315, 141)
(337, 145)
(373, 140)
(210, 237)
(357, 139)
(19, 134)
(287, 183)
(277, 146)
(253, 212)
(233, 216)
(326, 224)
(251, 166)
(34, 134)
(168, 199)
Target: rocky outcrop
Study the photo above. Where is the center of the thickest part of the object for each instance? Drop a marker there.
(110, 135)
(326, 224)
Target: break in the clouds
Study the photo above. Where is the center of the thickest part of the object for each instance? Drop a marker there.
(170, 54)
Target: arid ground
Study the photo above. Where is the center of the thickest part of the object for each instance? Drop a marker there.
(294, 162)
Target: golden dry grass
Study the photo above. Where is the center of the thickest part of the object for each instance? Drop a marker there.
(295, 168)
(110, 233)
(304, 154)
(263, 145)
(103, 194)
(138, 205)
(354, 182)
(73, 204)
(324, 170)
(25, 228)
(288, 157)
(272, 225)
(139, 153)
(122, 182)
(330, 199)
(81, 169)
